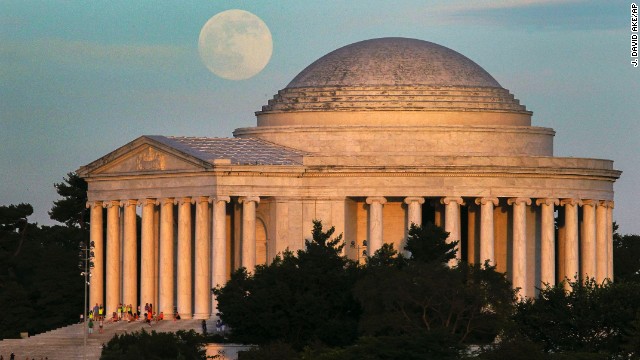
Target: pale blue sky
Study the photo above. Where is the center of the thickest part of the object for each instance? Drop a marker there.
(79, 79)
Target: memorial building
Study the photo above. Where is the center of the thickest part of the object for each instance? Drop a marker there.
(370, 138)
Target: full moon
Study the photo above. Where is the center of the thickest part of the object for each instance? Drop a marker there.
(235, 44)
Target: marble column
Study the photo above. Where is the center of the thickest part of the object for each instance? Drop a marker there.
(602, 247)
(376, 239)
(249, 204)
(487, 239)
(547, 241)
(414, 210)
(165, 272)
(452, 223)
(184, 280)
(202, 258)
(519, 273)
(130, 255)
(96, 295)
(588, 259)
(147, 258)
(571, 249)
(219, 253)
(610, 240)
(414, 216)
(113, 257)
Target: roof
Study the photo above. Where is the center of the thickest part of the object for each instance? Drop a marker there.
(241, 151)
(393, 61)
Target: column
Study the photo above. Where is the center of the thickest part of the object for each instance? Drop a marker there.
(519, 274)
(219, 253)
(547, 242)
(588, 240)
(610, 240)
(113, 257)
(375, 240)
(249, 204)
(130, 255)
(452, 223)
(166, 257)
(147, 258)
(96, 295)
(202, 266)
(571, 250)
(184, 258)
(602, 247)
(414, 210)
(414, 216)
(487, 241)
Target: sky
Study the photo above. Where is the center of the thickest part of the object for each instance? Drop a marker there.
(79, 79)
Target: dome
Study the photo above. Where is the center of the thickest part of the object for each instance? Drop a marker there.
(393, 61)
(393, 81)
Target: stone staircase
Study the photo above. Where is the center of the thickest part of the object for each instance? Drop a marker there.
(66, 343)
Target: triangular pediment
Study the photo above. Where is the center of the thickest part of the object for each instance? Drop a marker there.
(143, 155)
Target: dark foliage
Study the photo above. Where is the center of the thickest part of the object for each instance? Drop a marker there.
(626, 257)
(157, 346)
(591, 318)
(296, 299)
(71, 209)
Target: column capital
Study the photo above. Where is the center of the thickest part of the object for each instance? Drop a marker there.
(130, 202)
(111, 203)
(97, 203)
(200, 199)
(376, 199)
(547, 201)
(589, 202)
(519, 200)
(449, 199)
(145, 202)
(224, 198)
(183, 200)
(485, 200)
(163, 201)
(250, 198)
(410, 199)
(571, 201)
(605, 203)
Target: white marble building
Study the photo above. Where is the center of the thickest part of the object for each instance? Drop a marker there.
(369, 138)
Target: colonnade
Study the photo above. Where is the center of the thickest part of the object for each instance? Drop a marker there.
(584, 248)
(191, 294)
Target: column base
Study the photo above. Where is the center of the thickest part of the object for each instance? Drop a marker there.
(186, 317)
(201, 316)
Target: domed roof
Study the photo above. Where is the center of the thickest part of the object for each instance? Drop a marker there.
(393, 61)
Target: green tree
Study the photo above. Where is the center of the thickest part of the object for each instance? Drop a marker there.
(591, 318)
(424, 298)
(186, 345)
(71, 209)
(13, 227)
(297, 299)
(626, 256)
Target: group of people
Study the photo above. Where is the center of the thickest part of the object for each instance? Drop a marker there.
(125, 313)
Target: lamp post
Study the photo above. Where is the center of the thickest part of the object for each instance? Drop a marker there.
(355, 245)
(86, 264)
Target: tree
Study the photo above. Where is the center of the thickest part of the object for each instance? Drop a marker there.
(626, 256)
(591, 318)
(423, 297)
(297, 299)
(13, 226)
(158, 346)
(71, 209)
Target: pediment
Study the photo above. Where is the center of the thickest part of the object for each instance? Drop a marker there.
(143, 155)
(145, 159)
